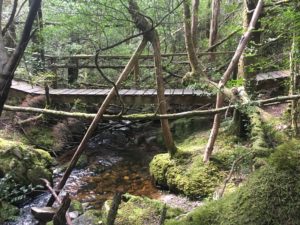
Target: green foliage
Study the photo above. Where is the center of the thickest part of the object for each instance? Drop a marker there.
(42, 136)
(135, 210)
(235, 83)
(13, 192)
(8, 212)
(269, 196)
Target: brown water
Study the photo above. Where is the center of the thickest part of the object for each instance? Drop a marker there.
(112, 167)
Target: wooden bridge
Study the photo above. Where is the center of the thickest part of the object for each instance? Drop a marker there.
(139, 97)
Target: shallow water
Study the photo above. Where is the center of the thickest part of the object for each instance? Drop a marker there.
(114, 165)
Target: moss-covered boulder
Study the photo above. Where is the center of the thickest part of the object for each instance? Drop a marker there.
(7, 212)
(185, 173)
(270, 196)
(135, 210)
(25, 164)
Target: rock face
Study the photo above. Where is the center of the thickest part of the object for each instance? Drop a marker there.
(25, 164)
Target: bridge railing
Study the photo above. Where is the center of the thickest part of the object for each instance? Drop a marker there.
(144, 65)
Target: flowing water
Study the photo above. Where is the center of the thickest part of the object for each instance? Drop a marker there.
(114, 164)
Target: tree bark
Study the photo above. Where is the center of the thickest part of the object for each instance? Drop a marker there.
(189, 43)
(213, 33)
(194, 25)
(294, 68)
(220, 96)
(8, 65)
(151, 35)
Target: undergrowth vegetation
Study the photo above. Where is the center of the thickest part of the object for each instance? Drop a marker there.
(269, 196)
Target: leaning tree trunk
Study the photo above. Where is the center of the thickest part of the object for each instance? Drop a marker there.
(151, 35)
(294, 68)
(8, 64)
(189, 38)
(220, 96)
(246, 61)
(98, 118)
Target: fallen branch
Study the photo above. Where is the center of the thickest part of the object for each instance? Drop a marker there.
(53, 192)
(151, 116)
(113, 211)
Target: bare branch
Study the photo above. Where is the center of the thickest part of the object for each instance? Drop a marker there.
(11, 18)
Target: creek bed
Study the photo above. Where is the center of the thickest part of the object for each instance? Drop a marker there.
(112, 165)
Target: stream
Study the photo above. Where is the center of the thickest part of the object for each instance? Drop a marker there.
(114, 162)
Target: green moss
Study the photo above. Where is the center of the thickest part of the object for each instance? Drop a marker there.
(185, 173)
(7, 212)
(270, 196)
(76, 206)
(42, 136)
(90, 217)
(137, 210)
(24, 163)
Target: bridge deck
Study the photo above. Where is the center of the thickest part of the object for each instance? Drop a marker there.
(133, 96)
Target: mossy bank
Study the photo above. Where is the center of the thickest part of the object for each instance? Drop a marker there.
(270, 195)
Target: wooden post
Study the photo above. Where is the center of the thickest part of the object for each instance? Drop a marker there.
(136, 73)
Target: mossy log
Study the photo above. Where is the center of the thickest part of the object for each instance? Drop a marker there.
(151, 116)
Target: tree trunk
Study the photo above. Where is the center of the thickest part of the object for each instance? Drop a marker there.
(152, 36)
(220, 96)
(246, 61)
(189, 43)
(8, 65)
(194, 25)
(294, 68)
(168, 138)
(38, 43)
(213, 33)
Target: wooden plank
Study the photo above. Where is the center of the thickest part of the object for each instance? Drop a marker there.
(138, 92)
(262, 76)
(25, 88)
(188, 92)
(177, 91)
(287, 73)
(123, 91)
(70, 91)
(150, 92)
(168, 92)
(276, 74)
(200, 93)
(102, 92)
(131, 92)
(57, 91)
(37, 90)
(85, 92)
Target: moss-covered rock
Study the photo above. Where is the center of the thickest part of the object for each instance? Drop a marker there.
(185, 173)
(7, 212)
(25, 164)
(135, 210)
(90, 217)
(270, 196)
